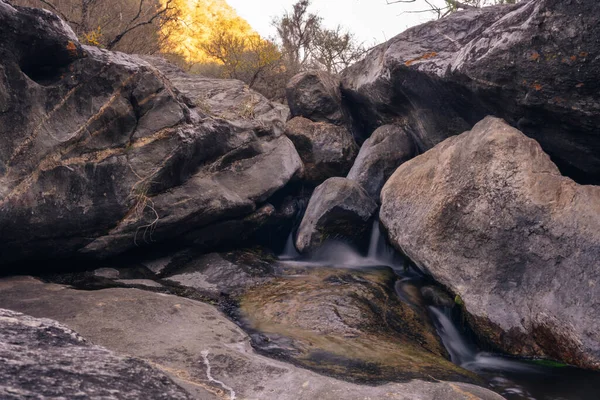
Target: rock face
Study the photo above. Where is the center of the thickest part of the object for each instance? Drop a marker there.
(43, 359)
(202, 350)
(534, 64)
(316, 95)
(489, 216)
(99, 153)
(387, 148)
(227, 99)
(338, 208)
(327, 150)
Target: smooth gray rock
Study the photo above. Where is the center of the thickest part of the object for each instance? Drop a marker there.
(227, 273)
(535, 64)
(316, 95)
(42, 359)
(100, 153)
(387, 148)
(490, 217)
(326, 150)
(338, 208)
(192, 337)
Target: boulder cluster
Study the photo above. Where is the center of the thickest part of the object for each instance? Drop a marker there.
(474, 139)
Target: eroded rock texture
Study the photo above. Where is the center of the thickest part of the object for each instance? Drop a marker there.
(100, 153)
(535, 64)
(489, 216)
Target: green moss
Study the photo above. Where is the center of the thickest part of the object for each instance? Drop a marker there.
(549, 363)
(459, 301)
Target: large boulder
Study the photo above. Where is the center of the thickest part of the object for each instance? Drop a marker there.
(489, 216)
(40, 358)
(100, 154)
(316, 95)
(198, 347)
(387, 148)
(338, 209)
(327, 150)
(535, 64)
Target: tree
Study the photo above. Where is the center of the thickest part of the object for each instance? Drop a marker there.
(133, 26)
(443, 8)
(246, 58)
(297, 30)
(307, 44)
(335, 49)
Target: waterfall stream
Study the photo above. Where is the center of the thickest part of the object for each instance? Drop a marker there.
(515, 379)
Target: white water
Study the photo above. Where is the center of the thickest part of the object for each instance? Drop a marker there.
(340, 254)
(289, 252)
(465, 354)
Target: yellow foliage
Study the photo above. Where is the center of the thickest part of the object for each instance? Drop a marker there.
(198, 20)
(93, 37)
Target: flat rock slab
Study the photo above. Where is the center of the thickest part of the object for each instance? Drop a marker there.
(40, 358)
(184, 338)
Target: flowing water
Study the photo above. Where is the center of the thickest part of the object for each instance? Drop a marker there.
(515, 379)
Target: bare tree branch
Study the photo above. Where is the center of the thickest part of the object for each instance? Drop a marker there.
(119, 37)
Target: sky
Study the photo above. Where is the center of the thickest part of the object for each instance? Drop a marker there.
(372, 21)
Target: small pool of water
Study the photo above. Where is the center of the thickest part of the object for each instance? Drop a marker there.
(513, 378)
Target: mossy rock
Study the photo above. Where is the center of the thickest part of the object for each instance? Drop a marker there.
(347, 323)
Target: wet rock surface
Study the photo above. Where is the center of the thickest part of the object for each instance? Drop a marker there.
(203, 352)
(489, 216)
(40, 358)
(346, 323)
(326, 150)
(100, 153)
(534, 64)
(387, 148)
(338, 209)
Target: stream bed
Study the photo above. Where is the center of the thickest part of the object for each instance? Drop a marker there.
(514, 378)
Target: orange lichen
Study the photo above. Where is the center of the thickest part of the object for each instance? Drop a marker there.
(72, 48)
(573, 58)
(535, 56)
(583, 54)
(537, 86)
(425, 56)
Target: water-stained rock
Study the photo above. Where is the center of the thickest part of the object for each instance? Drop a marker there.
(387, 148)
(100, 153)
(338, 209)
(490, 217)
(40, 358)
(346, 323)
(535, 64)
(327, 150)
